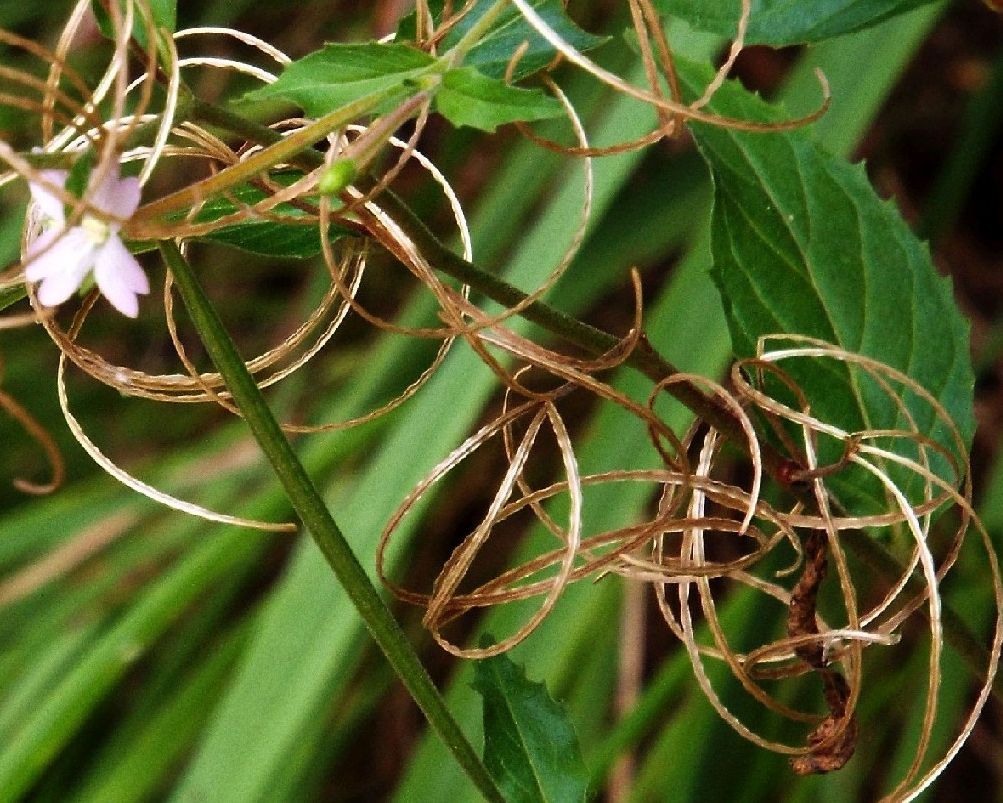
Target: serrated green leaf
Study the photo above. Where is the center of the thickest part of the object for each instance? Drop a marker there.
(466, 97)
(788, 22)
(165, 15)
(492, 54)
(802, 244)
(338, 74)
(530, 747)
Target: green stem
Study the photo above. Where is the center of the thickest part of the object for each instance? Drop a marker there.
(312, 510)
(281, 149)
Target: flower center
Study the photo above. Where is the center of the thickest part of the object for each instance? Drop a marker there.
(97, 231)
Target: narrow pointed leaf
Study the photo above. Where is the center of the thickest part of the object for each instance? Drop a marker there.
(272, 238)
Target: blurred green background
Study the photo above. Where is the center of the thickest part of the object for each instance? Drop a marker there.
(148, 656)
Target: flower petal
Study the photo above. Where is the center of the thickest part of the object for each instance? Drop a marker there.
(69, 253)
(116, 196)
(59, 286)
(39, 244)
(50, 205)
(120, 277)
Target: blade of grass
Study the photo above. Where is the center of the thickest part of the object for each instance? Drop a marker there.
(60, 712)
(862, 69)
(135, 762)
(59, 610)
(980, 129)
(680, 766)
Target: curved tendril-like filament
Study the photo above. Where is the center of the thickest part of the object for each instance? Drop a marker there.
(274, 53)
(184, 388)
(350, 302)
(692, 551)
(468, 447)
(424, 22)
(124, 477)
(666, 128)
(450, 21)
(44, 54)
(733, 53)
(755, 453)
(579, 234)
(58, 96)
(936, 624)
(668, 549)
(349, 296)
(509, 445)
(402, 247)
(168, 115)
(655, 30)
(209, 383)
(613, 551)
(42, 437)
(991, 669)
(681, 110)
(853, 657)
(394, 239)
(666, 121)
(59, 65)
(408, 150)
(464, 555)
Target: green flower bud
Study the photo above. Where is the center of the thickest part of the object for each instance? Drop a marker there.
(338, 176)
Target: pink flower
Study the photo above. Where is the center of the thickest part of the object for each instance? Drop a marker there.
(61, 258)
